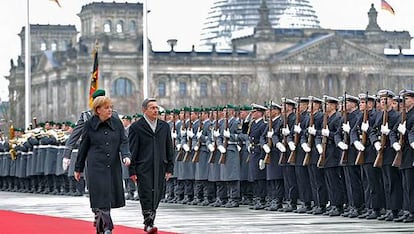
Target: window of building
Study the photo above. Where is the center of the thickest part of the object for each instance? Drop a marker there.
(183, 88)
(53, 46)
(244, 89)
(122, 87)
(203, 89)
(107, 26)
(43, 46)
(120, 27)
(132, 27)
(161, 89)
(223, 88)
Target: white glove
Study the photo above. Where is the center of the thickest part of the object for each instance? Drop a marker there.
(270, 134)
(186, 148)
(210, 147)
(319, 148)
(297, 129)
(285, 131)
(178, 147)
(183, 132)
(190, 133)
(174, 134)
(226, 133)
(238, 148)
(292, 145)
(262, 164)
(396, 146)
(325, 132)
(312, 130)
(384, 129)
(401, 128)
(199, 134)
(365, 126)
(346, 127)
(126, 161)
(266, 148)
(359, 146)
(377, 146)
(65, 163)
(196, 148)
(412, 145)
(281, 147)
(306, 147)
(216, 133)
(342, 145)
(249, 149)
(221, 149)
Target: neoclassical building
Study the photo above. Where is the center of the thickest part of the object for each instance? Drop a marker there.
(269, 63)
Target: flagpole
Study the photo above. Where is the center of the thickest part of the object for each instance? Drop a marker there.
(145, 51)
(27, 83)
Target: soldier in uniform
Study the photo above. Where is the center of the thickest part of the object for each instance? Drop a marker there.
(130, 186)
(301, 171)
(177, 136)
(246, 191)
(316, 175)
(203, 188)
(373, 188)
(352, 172)
(332, 170)
(229, 159)
(406, 130)
(289, 175)
(257, 174)
(391, 175)
(274, 174)
(172, 182)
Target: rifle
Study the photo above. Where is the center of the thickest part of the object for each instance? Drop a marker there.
(190, 140)
(211, 159)
(248, 133)
(398, 155)
(380, 156)
(361, 155)
(222, 159)
(292, 156)
(200, 128)
(180, 154)
(35, 122)
(308, 155)
(344, 156)
(174, 127)
(322, 156)
(269, 140)
(282, 158)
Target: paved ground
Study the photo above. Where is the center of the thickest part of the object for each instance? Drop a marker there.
(194, 219)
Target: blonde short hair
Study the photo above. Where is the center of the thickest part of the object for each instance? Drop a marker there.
(100, 101)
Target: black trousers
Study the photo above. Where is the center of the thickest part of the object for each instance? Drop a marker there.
(259, 189)
(317, 179)
(353, 184)
(408, 187)
(374, 189)
(303, 182)
(289, 182)
(233, 189)
(392, 187)
(335, 185)
(275, 189)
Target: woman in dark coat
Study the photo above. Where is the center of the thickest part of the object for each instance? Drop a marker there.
(103, 138)
(152, 160)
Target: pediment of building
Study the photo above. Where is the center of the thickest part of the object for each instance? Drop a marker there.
(328, 49)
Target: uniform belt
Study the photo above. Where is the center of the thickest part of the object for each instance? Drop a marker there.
(75, 150)
(232, 143)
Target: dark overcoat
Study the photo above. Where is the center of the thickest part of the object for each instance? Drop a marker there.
(152, 156)
(100, 147)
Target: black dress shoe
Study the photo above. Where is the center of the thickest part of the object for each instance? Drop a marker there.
(335, 212)
(151, 229)
(409, 219)
(384, 216)
(232, 204)
(401, 218)
(319, 210)
(364, 215)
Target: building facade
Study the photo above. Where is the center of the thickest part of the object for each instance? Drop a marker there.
(269, 63)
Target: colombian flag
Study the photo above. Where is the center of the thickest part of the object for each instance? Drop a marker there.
(94, 76)
(386, 6)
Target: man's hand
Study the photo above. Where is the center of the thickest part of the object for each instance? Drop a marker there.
(134, 178)
(312, 130)
(266, 148)
(325, 132)
(226, 133)
(365, 126)
(401, 128)
(342, 145)
(126, 161)
(285, 131)
(65, 163)
(167, 176)
(281, 147)
(306, 147)
(77, 175)
(270, 134)
(292, 146)
(384, 129)
(359, 146)
(297, 129)
(174, 134)
(346, 127)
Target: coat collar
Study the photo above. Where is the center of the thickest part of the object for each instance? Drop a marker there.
(95, 122)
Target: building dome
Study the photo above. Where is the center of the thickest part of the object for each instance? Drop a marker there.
(228, 18)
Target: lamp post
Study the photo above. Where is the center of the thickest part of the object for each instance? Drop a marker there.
(145, 50)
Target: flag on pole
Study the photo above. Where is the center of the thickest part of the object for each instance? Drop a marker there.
(94, 74)
(386, 6)
(57, 2)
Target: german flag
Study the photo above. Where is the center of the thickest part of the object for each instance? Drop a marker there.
(94, 76)
(386, 6)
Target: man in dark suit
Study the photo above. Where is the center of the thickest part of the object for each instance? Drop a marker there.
(152, 159)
